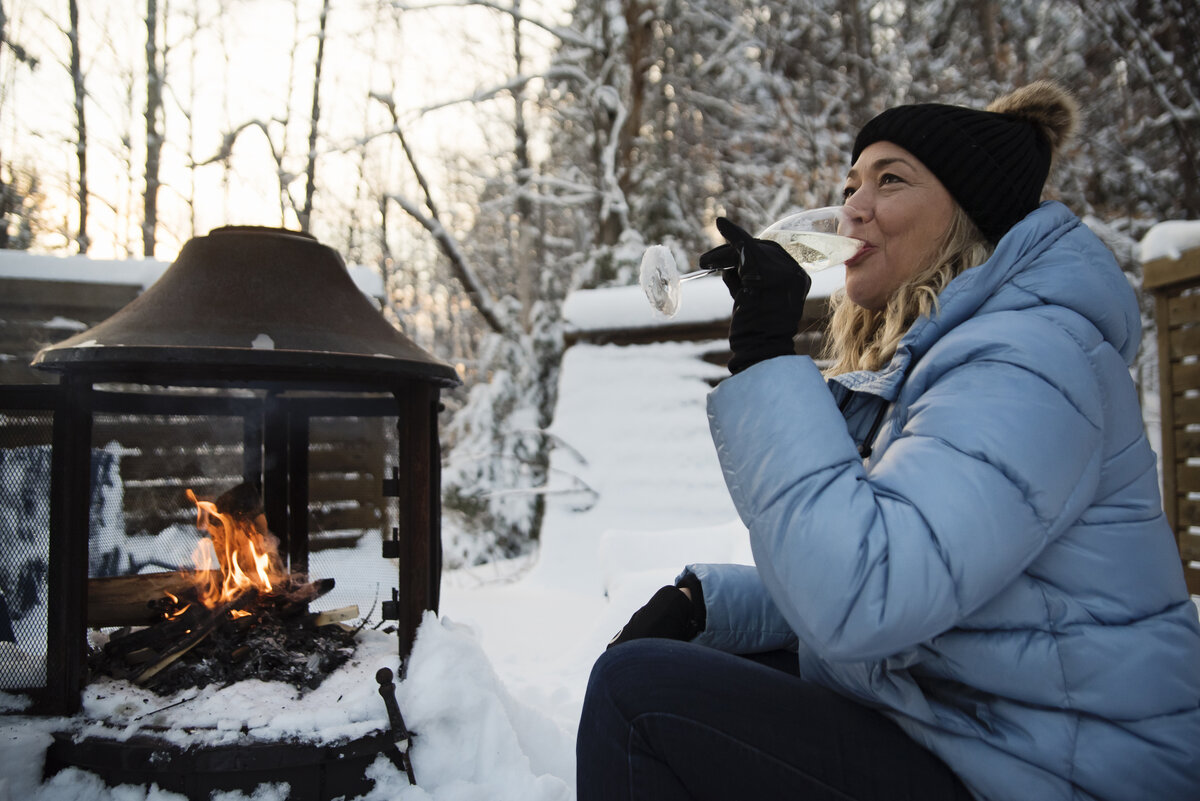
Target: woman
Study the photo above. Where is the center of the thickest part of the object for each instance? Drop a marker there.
(964, 584)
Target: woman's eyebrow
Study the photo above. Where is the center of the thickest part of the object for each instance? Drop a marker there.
(881, 164)
(887, 162)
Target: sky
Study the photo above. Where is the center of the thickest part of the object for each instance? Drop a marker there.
(248, 58)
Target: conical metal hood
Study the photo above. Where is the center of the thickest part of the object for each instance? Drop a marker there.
(248, 303)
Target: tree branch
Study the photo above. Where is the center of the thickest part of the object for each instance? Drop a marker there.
(562, 34)
(480, 297)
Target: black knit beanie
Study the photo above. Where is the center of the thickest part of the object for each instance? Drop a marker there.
(994, 163)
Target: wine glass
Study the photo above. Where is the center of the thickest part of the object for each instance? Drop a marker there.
(810, 237)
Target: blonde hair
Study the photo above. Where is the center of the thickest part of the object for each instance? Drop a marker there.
(863, 339)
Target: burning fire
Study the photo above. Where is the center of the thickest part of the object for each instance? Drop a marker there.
(246, 553)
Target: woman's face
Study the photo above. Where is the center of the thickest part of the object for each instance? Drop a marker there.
(901, 211)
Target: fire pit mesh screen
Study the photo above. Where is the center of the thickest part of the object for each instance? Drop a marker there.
(347, 457)
(24, 547)
(142, 519)
(348, 514)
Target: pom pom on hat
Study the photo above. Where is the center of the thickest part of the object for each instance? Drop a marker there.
(994, 162)
(1045, 105)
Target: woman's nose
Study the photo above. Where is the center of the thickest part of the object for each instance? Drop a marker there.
(856, 211)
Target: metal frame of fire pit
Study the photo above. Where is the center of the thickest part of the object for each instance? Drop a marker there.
(329, 354)
(66, 579)
(264, 325)
(275, 457)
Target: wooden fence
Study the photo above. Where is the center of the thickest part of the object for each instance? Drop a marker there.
(1175, 284)
(35, 313)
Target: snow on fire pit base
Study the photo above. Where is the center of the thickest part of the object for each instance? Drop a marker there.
(473, 740)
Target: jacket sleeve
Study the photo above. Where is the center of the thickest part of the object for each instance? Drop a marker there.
(987, 459)
(741, 618)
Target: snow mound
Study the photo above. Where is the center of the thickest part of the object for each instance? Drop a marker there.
(474, 740)
(1168, 240)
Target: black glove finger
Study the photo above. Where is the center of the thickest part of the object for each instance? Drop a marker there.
(733, 233)
(721, 257)
(751, 268)
(666, 615)
(764, 264)
(725, 258)
(774, 266)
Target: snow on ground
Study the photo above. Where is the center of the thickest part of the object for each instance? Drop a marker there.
(495, 686)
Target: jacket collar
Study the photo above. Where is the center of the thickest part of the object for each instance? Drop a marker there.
(970, 292)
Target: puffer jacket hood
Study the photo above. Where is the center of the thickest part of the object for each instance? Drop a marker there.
(998, 576)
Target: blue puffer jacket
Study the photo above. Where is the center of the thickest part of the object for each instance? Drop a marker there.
(998, 576)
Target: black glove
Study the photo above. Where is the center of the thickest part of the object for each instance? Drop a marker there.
(669, 614)
(768, 289)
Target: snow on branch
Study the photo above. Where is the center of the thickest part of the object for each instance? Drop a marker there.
(512, 86)
(614, 198)
(1164, 60)
(225, 151)
(1151, 52)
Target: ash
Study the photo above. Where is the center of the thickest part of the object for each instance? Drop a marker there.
(267, 645)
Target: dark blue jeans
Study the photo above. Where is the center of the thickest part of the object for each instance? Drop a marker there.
(665, 720)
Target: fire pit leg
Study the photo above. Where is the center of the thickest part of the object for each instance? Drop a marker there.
(397, 752)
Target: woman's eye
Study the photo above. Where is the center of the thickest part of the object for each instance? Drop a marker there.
(889, 178)
(846, 193)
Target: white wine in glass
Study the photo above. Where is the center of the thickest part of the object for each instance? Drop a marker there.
(810, 237)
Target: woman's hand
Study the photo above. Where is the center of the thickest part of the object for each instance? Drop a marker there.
(768, 289)
(674, 613)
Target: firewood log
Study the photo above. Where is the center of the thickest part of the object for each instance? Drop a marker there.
(211, 621)
(126, 600)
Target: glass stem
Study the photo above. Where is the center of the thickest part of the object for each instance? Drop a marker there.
(702, 273)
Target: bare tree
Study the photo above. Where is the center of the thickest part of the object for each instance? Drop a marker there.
(12, 191)
(1155, 41)
(310, 171)
(155, 76)
(81, 143)
(430, 219)
(525, 257)
(22, 55)
(188, 110)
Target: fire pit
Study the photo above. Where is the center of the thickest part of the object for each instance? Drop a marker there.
(243, 367)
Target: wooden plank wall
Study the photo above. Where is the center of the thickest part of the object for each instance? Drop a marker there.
(1175, 284)
(36, 313)
(162, 457)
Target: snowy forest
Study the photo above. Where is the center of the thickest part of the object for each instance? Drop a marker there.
(489, 157)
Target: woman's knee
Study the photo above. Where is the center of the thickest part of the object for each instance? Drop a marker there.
(630, 674)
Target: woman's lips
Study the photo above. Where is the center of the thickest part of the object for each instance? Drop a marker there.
(864, 251)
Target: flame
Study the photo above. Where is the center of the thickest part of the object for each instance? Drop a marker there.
(235, 542)
(179, 610)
